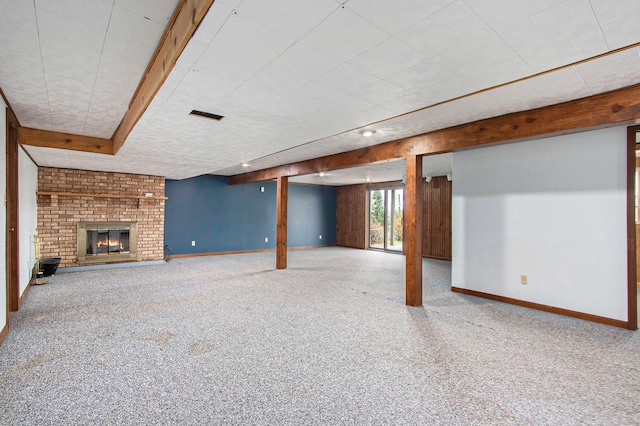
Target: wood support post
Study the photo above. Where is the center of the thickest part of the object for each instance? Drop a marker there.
(413, 196)
(281, 222)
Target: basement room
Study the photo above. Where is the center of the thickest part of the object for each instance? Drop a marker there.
(319, 212)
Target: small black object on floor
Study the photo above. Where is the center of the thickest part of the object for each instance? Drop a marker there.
(49, 266)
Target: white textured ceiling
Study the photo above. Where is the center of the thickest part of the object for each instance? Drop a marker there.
(298, 79)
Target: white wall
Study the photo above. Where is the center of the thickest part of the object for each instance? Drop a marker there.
(552, 209)
(28, 220)
(3, 214)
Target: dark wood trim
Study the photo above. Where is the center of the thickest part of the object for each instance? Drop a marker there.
(616, 107)
(58, 140)
(632, 292)
(413, 199)
(12, 248)
(424, 256)
(183, 23)
(24, 293)
(282, 193)
(395, 184)
(120, 196)
(225, 253)
(6, 101)
(540, 307)
(4, 332)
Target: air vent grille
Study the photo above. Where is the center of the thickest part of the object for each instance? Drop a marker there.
(207, 115)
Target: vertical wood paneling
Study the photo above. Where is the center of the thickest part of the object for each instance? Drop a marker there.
(351, 219)
(437, 219)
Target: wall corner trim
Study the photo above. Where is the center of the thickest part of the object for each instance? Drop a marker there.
(541, 307)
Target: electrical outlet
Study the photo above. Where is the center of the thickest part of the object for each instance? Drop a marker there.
(193, 243)
(262, 189)
(266, 239)
(320, 237)
(523, 279)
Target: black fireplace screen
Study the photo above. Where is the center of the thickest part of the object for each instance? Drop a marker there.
(107, 241)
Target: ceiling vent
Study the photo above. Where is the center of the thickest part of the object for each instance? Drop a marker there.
(207, 115)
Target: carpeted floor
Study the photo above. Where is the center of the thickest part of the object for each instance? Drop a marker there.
(231, 340)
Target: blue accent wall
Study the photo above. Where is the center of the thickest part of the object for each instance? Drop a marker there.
(220, 217)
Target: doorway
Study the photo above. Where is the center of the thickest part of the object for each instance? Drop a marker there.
(386, 214)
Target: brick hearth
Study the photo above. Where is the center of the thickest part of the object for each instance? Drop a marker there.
(58, 215)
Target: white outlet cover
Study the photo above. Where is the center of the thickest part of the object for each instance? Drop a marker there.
(193, 243)
(262, 189)
(266, 239)
(320, 236)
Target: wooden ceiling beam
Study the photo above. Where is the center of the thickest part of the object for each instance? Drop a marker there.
(49, 139)
(612, 108)
(181, 26)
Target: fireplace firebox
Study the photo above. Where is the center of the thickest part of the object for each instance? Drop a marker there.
(106, 242)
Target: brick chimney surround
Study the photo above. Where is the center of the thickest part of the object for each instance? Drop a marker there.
(67, 197)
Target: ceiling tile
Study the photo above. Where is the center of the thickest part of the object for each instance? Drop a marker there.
(230, 3)
(378, 92)
(499, 13)
(17, 17)
(212, 23)
(389, 57)
(516, 97)
(622, 32)
(607, 11)
(315, 93)
(93, 13)
(345, 78)
(194, 83)
(118, 49)
(563, 52)
(344, 35)
(241, 49)
(482, 52)
(611, 72)
(291, 18)
(294, 68)
(135, 28)
(560, 86)
(247, 98)
(449, 28)
(76, 36)
(551, 26)
(154, 10)
(395, 16)
(426, 73)
(496, 74)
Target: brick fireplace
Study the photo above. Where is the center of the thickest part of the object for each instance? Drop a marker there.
(82, 211)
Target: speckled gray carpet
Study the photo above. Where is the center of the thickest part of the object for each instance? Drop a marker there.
(230, 340)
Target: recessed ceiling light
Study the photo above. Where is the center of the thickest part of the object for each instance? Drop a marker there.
(245, 165)
(322, 174)
(367, 133)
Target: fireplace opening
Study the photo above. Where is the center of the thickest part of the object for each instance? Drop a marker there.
(104, 242)
(107, 241)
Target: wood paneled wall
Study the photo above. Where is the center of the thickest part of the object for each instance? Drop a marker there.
(351, 216)
(436, 226)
